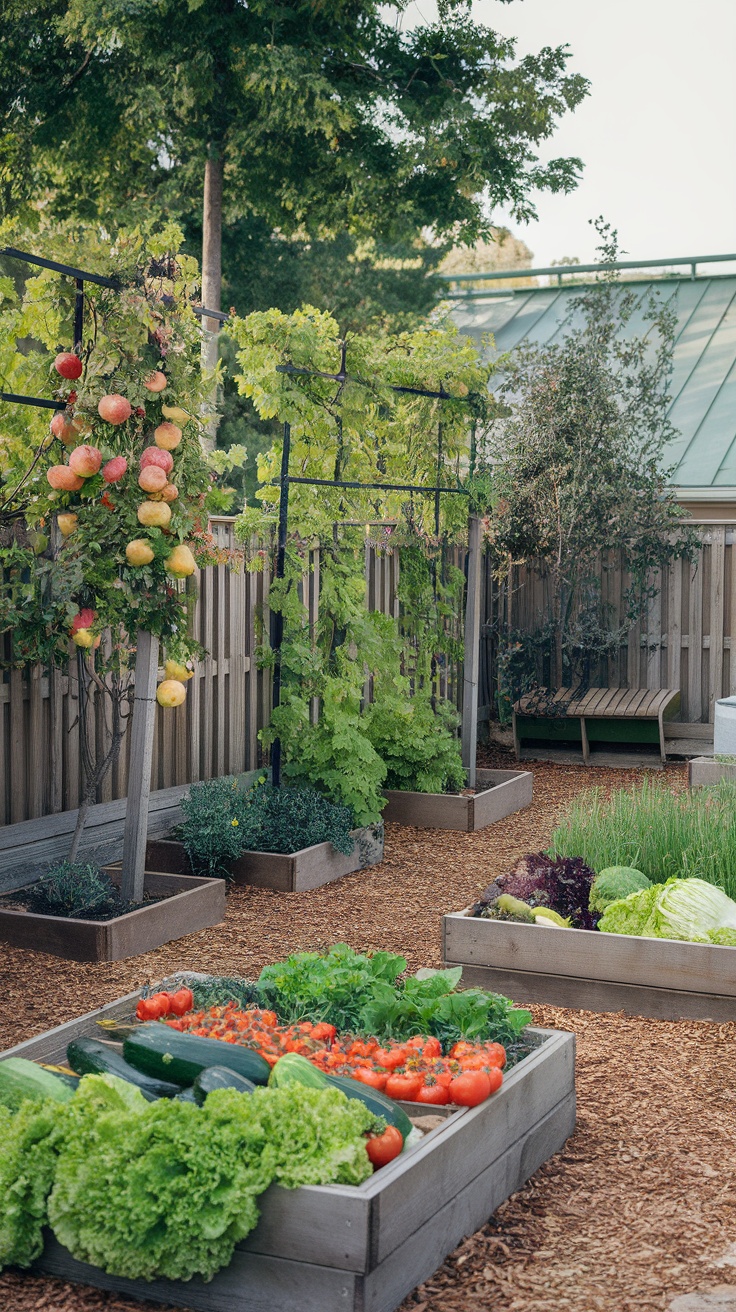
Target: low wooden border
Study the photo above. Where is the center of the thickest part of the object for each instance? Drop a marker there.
(191, 905)
(298, 872)
(339, 1248)
(705, 770)
(660, 978)
(500, 793)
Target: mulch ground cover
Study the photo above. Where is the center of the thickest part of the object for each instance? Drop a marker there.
(638, 1208)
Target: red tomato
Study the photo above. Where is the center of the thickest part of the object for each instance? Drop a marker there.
(373, 1078)
(496, 1054)
(382, 1148)
(470, 1088)
(436, 1095)
(496, 1078)
(181, 1002)
(390, 1058)
(154, 1007)
(426, 1044)
(404, 1086)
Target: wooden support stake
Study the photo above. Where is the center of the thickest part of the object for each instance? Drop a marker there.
(139, 775)
(472, 650)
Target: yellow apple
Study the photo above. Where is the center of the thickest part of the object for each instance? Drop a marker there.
(176, 413)
(167, 436)
(83, 638)
(139, 552)
(67, 523)
(154, 514)
(181, 562)
(174, 670)
(170, 693)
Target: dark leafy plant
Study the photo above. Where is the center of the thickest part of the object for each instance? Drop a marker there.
(223, 821)
(561, 883)
(76, 889)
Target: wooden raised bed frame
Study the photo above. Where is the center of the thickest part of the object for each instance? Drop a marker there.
(704, 771)
(499, 793)
(339, 1248)
(189, 905)
(655, 977)
(298, 872)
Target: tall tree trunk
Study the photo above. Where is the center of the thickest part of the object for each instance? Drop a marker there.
(212, 266)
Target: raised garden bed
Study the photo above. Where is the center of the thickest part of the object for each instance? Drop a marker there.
(499, 793)
(185, 906)
(661, 978)
(337, 1248)
(705, 770)
(295, 873)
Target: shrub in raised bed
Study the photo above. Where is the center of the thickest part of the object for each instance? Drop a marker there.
(222, 822)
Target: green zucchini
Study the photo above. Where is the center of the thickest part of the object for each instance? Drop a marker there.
(94, 1057)
(219, 1077)
(294, 1068)
(186, 1095)
(20, 1079)
(63, 1073)
(159, 1051)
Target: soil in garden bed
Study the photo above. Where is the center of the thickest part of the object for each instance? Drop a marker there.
(10, 902)
(636, 1209)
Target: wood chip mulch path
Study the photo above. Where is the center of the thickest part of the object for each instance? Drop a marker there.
(638, 1208)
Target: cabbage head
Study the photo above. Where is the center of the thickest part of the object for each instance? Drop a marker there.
(615, 883)
(725, 938)
(686, 909)
(629, 915)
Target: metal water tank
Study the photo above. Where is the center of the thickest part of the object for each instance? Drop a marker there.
(724, 728)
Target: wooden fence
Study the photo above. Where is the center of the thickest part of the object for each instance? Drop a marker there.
(214, 733)
(685, 641)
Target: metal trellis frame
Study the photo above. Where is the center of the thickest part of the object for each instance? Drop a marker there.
(286, 479)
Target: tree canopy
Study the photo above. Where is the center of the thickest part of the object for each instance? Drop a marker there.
(322, 119)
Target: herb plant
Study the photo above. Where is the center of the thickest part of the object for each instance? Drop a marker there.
(417, 742)
(654, 830)
(222, 821)
(362, 994)
(76, 889)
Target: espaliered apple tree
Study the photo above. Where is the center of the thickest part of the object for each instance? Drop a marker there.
(121, 493)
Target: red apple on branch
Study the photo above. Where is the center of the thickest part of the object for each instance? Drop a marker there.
(64, 479)
(113, 471)
(115, 409)
(153, 455)
(85, 460)
(156, 382)
(68, 365)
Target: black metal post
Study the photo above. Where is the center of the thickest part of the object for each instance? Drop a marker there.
(277, 617)
(78, 315)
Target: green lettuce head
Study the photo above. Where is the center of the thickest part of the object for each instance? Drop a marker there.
(629, 914)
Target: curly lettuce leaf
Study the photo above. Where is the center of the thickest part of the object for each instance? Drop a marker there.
(28, 1145)
(629, 915)
(318, 1134)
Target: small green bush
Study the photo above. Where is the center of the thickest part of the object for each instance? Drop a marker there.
(78, 890)
(222, 821)
(417, 743)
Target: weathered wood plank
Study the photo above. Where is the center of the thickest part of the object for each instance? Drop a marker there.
(386, 1286)
(590, 955)
(717, 607)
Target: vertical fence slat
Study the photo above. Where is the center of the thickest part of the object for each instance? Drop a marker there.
(695, 642)
(717, 571)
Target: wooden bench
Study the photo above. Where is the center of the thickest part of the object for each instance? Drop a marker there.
(575, 725)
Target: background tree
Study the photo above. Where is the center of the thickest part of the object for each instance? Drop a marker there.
(578, 469)
(313, 119)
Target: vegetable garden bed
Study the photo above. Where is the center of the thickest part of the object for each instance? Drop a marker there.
(661, 978)
(185, 905)
(330, 1248)
(500, 793)
(296, 872)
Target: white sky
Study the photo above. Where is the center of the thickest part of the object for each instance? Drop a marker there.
(657, 134)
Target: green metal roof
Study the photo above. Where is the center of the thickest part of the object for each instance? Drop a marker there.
(703, 384)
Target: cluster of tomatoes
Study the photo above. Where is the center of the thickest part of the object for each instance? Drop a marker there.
(161, 1005)
(412, 1071)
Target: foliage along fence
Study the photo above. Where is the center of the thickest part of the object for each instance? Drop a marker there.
(215, 732)
(686, 641)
